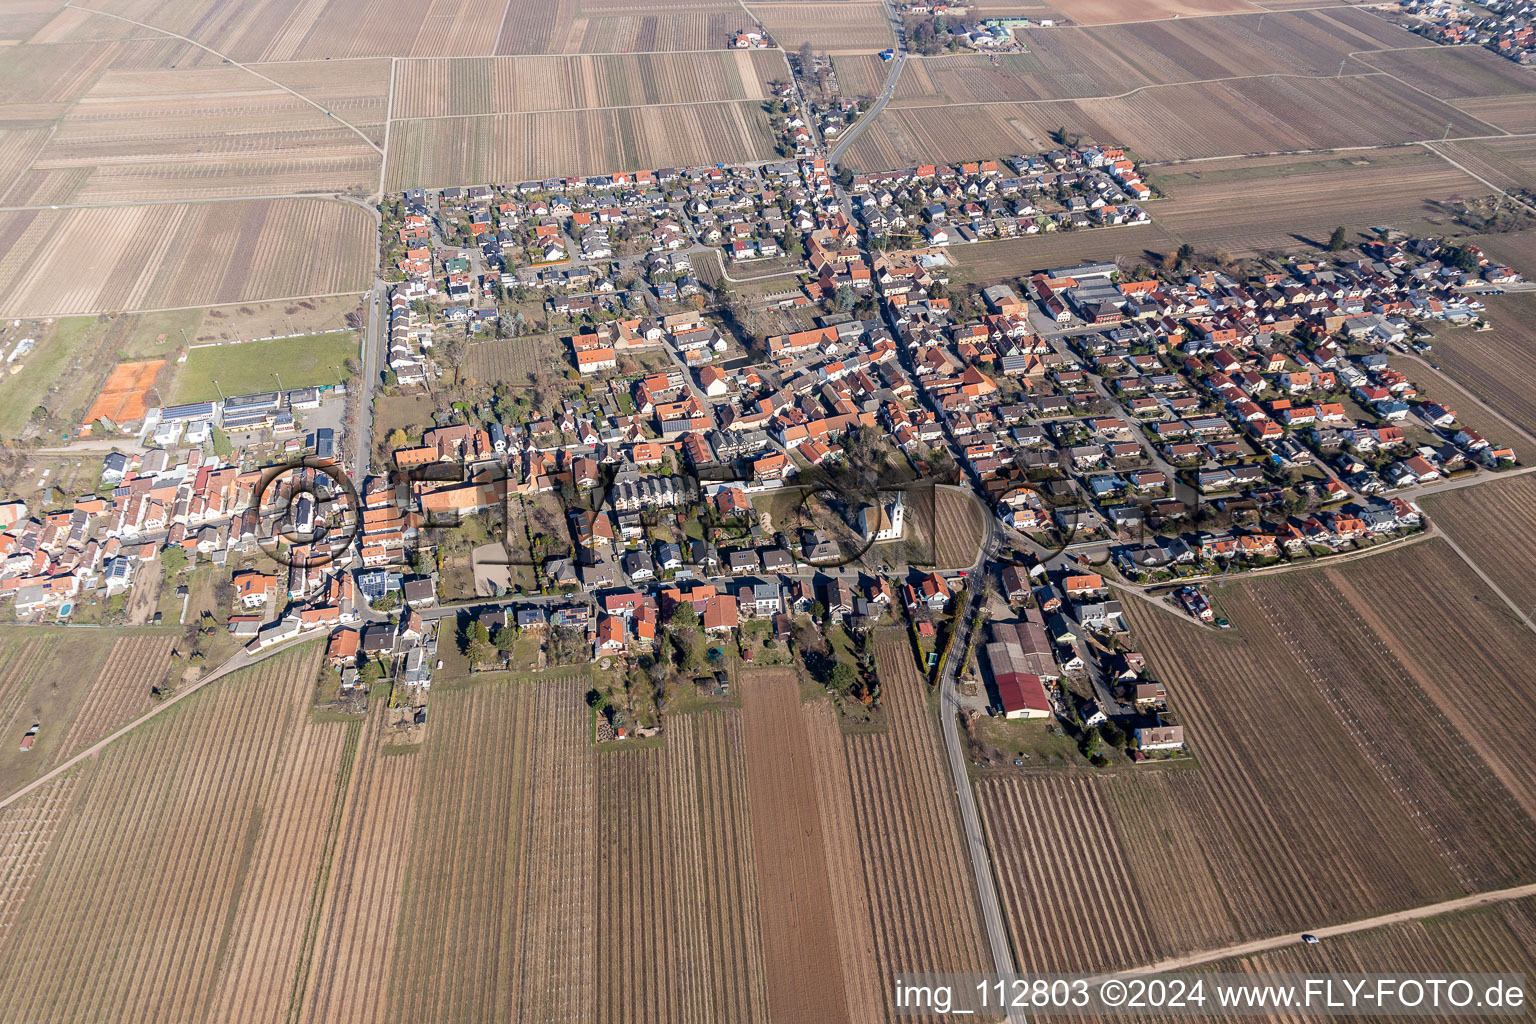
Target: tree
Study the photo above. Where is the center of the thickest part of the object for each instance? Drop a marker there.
(477, 644)
(844, 676)
(422, 562)
(684, 617)
(845, 298)
(398, 438)
(371, 672)
(1185, 254)
(506, 639)
(221, 446)
(173, 559)
(1339, 240)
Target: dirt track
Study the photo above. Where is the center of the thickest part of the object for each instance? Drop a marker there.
(1364, 924)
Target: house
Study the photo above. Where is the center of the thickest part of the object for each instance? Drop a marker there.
(252, 588)
(755, 597)
(1088, 585)
(1160, 737)
(420, 592)
(343, 647)
(720, 614)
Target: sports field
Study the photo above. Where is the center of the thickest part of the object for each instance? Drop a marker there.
(251, 366)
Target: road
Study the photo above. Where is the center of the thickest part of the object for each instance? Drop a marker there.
(954, 748)
(1380, 921)
(899, 38)
(375, 342)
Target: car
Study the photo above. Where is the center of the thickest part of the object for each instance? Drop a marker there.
(1223, 624)
(1310, 939)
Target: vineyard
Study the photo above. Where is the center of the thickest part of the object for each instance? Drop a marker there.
(1323, 686)
(1488, 940)
(120, 692)
(1318, 689)
(1498, 366)
(445, 958)
(1063, 876)
(1509, 163)
(1511, 113)
(89, 260)
(805, 981)
(1251, 204)
(960, 526)
(27, 830)
(1491, 523)
(201, 132)
(512, 147)
(922, 902)
(1176, 122)
(184, 874)
(1457, 72)
(514, 361)
(353, 938)
(494, 85)
(852, 26)
(1098, 12)
(69, 690)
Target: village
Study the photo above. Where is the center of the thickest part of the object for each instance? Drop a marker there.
(705, 472)
(1506, 27)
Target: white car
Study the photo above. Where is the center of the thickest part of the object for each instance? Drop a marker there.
(1310, 939)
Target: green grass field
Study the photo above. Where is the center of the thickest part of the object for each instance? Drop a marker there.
(256, 366)
(58, 348)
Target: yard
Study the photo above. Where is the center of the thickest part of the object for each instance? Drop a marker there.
(215, 371)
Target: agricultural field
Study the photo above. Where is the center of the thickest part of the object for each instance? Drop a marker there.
(221, 814)
(512, 147)
(514, 361)
(1492, 523)
(1178, 122)
(65, 686)
(1105, 12)
(1082, 63)
(199, 133)
(1353, 681)
(1490, 940)
(1498, 366)
(922, 901)
(50, 375)
(498, 85)
(999, 260)
(1457, 72)
(849, 26)
(129, 258)
(249, 366)
(1517, 248)
(947, 526)
(794, 892)
(1256, 204)
(1508, 163)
